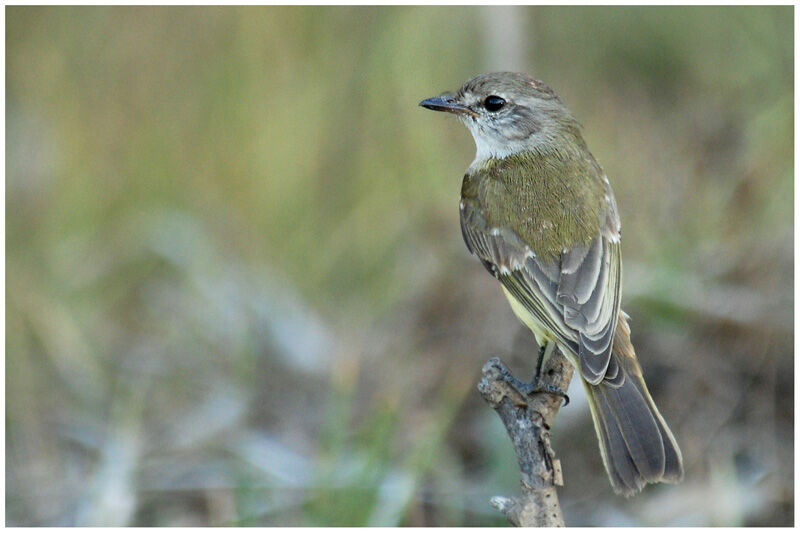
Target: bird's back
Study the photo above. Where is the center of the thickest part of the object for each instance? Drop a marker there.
(560, 209)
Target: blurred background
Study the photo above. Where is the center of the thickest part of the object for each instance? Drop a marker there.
(237, 292)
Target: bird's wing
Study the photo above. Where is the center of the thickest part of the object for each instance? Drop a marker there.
(576, 296)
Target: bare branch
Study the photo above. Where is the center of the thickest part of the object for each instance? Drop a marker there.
(527, 421)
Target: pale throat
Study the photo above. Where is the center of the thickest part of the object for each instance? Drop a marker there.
(494, 147)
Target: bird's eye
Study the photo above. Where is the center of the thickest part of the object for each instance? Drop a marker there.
(493, 103)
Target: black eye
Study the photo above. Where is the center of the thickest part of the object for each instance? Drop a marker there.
(493, 103)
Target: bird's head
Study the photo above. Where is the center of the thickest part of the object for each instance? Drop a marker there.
(508, 112)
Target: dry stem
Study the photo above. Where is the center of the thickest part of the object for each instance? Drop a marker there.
(527, 421)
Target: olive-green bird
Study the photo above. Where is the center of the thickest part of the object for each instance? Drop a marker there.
(538, 211)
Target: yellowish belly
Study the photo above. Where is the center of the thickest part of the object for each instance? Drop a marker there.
(543, 335)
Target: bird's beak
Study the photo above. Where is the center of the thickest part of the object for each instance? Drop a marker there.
(447, 103)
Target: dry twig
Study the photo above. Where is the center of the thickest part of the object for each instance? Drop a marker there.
(527, 421)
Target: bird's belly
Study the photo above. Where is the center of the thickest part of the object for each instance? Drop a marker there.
(543, 336)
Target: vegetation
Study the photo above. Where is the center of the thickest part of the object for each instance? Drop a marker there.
(236, 292)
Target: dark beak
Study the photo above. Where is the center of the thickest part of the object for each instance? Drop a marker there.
(447, 103)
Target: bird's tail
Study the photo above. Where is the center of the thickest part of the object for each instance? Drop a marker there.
(636, 444)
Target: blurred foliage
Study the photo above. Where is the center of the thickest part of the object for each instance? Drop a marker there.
(236, 292)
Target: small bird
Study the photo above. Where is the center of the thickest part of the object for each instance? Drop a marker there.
(539, 212)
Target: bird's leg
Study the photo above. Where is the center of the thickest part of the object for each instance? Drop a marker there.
(539, 361)
(536, 385)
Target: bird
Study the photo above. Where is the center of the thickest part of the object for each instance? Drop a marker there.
(538, 211)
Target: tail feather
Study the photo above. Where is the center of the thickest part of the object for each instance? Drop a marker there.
(619, 465)
(636, 444)
(637, 427)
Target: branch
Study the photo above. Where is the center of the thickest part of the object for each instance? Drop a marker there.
(528, 422)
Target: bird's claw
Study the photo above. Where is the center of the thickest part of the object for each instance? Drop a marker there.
(537, 386)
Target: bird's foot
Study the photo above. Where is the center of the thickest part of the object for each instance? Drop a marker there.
(536, 386)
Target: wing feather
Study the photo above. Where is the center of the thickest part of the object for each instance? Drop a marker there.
(575, 296)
